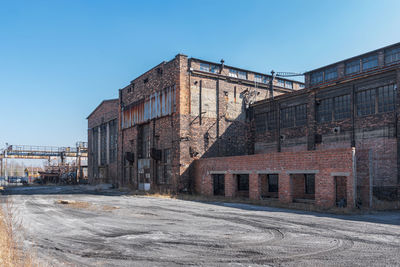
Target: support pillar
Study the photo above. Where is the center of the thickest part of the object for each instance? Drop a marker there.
(254, 186)
(285, 188)
(230, 185)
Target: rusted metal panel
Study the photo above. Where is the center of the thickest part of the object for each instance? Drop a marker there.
(156, 105)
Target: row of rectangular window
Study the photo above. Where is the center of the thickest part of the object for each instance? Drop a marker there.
(368, 102)
(243, 75)
(355, 66)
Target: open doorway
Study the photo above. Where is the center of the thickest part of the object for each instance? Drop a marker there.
(341, 191)
(219, 184)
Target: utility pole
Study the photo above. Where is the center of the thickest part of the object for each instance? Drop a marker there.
(271, 84)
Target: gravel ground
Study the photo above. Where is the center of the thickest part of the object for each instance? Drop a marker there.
(121, 230)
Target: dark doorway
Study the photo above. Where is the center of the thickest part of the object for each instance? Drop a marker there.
(269, 185)
(242, 185)
(219, 184)
(341, 191)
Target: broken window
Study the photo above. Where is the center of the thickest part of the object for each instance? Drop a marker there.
(342, 107)
(324, 110)
(243, 182)
(310, 183)
(209, 68)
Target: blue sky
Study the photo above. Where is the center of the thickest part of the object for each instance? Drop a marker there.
(60, 59)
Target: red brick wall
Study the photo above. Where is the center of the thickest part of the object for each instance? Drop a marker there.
(325, 164)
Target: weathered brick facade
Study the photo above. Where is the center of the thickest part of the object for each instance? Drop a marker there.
(352, 103)
(291, 168)
(102, 132)
(183, 110)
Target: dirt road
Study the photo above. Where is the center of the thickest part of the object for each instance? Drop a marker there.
(118, 230)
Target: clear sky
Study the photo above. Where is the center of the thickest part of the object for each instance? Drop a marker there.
(60, 59)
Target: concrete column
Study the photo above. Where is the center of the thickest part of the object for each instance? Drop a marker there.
(108, 143)
(285, 188)
(230, 185)
(254, 186)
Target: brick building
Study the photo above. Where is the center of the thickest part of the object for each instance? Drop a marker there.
(351, 103)
(102, 142)
(182, 110)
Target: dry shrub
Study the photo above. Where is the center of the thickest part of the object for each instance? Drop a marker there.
(85, 205)
(11, 251)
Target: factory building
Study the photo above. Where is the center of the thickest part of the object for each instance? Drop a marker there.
(183, 110)
(102, 142)
(334, 143)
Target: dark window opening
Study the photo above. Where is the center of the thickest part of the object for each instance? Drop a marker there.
(260, 122)
(366, 102)
(243, 182)
(342, 107)
(219, 184)
(271, 120)
(324, 110)
(273, 183)
(386, 98)
(294, 116)
(146, 80)
(310, 184)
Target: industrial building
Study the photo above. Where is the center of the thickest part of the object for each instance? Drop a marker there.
(303, 141)
(102, 142)
(193, 125)
(183, 110)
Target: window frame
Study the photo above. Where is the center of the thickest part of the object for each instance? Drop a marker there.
(273, 188)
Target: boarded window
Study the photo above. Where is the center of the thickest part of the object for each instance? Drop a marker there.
(342, 107)
(243, 182)
(366, 102)
(273, 183)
